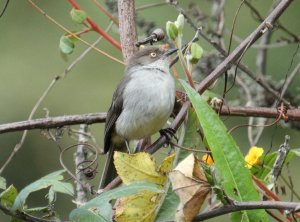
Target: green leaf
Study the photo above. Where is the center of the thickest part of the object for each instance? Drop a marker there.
(53, 179)
(60, 187)
(228, 159)
(66, 45)
(9, 195)
(2, 183)
(99, 209)
(78, 16)
(169, 207)
(88, 215)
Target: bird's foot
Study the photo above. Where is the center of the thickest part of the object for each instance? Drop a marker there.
(168, 133)
(127, 146)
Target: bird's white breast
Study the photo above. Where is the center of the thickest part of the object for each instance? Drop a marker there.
(148, 101)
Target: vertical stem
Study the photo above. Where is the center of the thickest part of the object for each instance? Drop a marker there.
(128, 34)
(80, 157)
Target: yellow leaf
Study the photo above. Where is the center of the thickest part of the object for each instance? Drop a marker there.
(167, 164)
(142, 206)
(137, 167)
(138, 207)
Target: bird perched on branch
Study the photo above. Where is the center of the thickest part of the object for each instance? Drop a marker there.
(141, 104)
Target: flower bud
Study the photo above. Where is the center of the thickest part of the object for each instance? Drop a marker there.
(196, 52)
(78, 16)
(180, 22)
(172, 30)
(66, 45)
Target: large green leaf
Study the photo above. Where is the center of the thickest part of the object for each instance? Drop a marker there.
(99, 209)
(229, 161)
(51, 180)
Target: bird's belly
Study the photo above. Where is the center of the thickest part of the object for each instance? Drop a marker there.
(147, 108)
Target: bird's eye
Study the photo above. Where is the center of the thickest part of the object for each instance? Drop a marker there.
(153, 54)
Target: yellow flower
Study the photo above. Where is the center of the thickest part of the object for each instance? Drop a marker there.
(207, 159)
(253, 156)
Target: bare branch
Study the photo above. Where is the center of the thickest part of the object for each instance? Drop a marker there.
(91, 118)
(251, 205)
(53, 122)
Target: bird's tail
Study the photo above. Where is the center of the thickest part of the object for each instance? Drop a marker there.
(109, 172)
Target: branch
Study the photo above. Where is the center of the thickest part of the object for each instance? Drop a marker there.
(91, 118)
(218, 47)
(53, 122)
(251, 205)
(293, 114)
(128, 34)
(235, 55)
(96, 28)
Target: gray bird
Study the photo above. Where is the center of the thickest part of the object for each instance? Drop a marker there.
(141, 104)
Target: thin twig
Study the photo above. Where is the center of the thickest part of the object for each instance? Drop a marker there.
(190, 149)
(151, 5)
(290, 79)
(112, 18)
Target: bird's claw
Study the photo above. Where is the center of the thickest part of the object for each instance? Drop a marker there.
(168, 133)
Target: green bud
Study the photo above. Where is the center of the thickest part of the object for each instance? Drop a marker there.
(180, 22)
(78, 16)
(172, 30)
(196, 52)
(66, 45)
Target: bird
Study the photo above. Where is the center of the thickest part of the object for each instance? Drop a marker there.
(141, 104)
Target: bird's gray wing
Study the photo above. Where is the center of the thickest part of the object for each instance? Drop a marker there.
(114, 112)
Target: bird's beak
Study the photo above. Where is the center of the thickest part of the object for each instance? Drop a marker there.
(169, 52)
